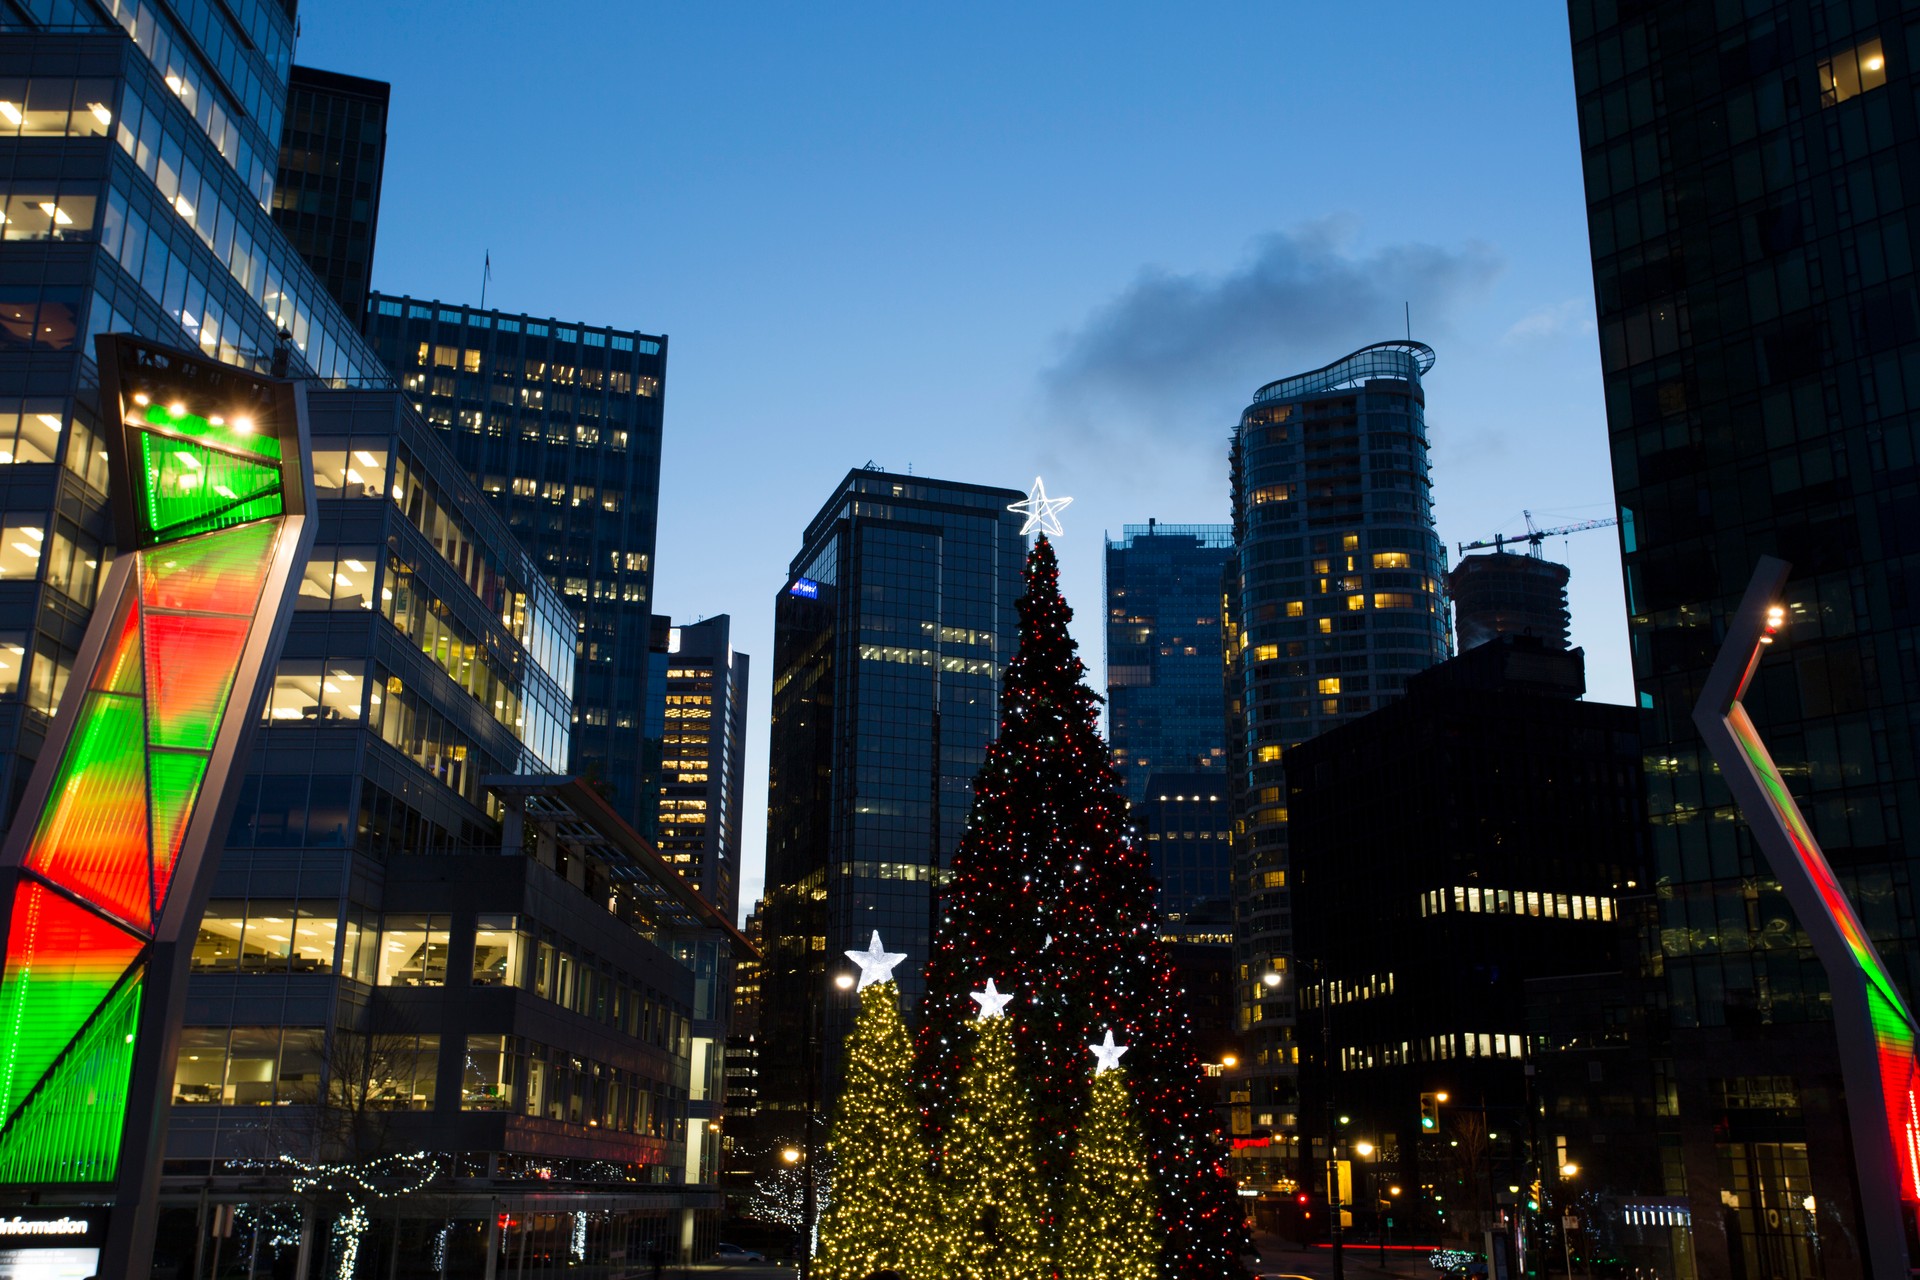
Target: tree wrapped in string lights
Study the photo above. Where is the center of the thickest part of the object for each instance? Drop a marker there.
(1107, 1227)
(883, 1215)
(1052, 898)
(995, 1201)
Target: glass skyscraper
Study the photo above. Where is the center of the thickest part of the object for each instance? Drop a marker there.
(1340, 599)
(1163, 649)
(703, 735)
(141, 151)
(891, 635)
(332, 155)
(560, 425)
(1752, 187)
(1166, 714)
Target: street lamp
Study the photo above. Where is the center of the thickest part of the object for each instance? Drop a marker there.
(844, 981)
(791, 1155)
(1568, 1170)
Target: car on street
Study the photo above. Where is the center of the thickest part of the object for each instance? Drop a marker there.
(734, 1253)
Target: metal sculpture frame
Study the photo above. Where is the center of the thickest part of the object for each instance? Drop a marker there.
(1876, 1031)
(109, 859)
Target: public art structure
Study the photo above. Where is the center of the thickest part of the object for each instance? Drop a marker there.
(105, 868)
(1876, 1029)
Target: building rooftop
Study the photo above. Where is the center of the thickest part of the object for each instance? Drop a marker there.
(1397, 359)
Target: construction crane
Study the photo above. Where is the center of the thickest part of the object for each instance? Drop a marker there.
(1534, 537)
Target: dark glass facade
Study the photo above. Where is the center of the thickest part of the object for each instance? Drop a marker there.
(1511, 837)
(1163, 650)
(559, 424)
(891, 635)
(333, 151)
(1338, 600)
(1751, 180)
(703, 761)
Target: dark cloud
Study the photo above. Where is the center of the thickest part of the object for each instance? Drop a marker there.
(1173, 352)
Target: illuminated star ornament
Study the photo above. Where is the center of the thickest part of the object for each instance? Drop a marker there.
(1042, 512)
(876, 962)
(1106, 1054)
(992, 1003)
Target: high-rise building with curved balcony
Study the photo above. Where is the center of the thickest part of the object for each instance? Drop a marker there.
(1340, 598)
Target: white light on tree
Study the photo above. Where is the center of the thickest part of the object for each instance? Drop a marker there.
(1042, 512)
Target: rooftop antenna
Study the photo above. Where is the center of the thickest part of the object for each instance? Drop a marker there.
(486, 274)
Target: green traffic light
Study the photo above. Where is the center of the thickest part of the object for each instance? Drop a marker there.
(1426, 1122)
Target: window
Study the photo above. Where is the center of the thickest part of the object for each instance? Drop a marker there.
(86, 457)
(356, 471)
(1392, 560)
(1272, 493)
(497, 949)
(73, 564)
(413, 951)
(1394, 600)
(248, 1066)
(342, 580)
(311, 689)
(486, 1083)
(401, 1070)
(1852, 72)
(20, 546)
(29, 430)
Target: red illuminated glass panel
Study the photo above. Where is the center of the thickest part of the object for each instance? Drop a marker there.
(61, 962)
(191, 661)
(92, 838)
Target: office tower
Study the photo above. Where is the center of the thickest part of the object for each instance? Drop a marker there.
(1186, 821)
(422, 936)
(891, 634)
(148, 216)
(326, 201)
(1750, 192)
(1166, 718)
(560, 425)
(1475, 833)
(1503, 594)
(702, 769)
(1339, 601)
(1163, 650)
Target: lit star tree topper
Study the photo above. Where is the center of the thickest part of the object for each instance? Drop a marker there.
(1042, 512)
(992, 1003)
(876, 962)
(1106, 1055)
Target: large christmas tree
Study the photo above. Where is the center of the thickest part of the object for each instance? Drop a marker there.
(883, 1213)
(1051, 898)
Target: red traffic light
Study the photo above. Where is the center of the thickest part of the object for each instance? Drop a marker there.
(1303, 1197)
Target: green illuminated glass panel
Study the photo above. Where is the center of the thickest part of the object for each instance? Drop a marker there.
(92, 838)
(216, 573)
(191, 661)
(69, 1128)
(61, 962)
(188, 488)
(176, 784)
(232, 436)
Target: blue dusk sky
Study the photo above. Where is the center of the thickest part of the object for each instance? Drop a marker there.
(989, 241)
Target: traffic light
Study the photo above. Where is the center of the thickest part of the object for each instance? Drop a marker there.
(1430, 1112)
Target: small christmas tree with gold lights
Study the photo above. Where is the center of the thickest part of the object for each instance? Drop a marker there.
(883, 1214)
(1109, 1230)
(997, 1214)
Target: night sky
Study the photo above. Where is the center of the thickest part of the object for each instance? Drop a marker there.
(986, 241)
